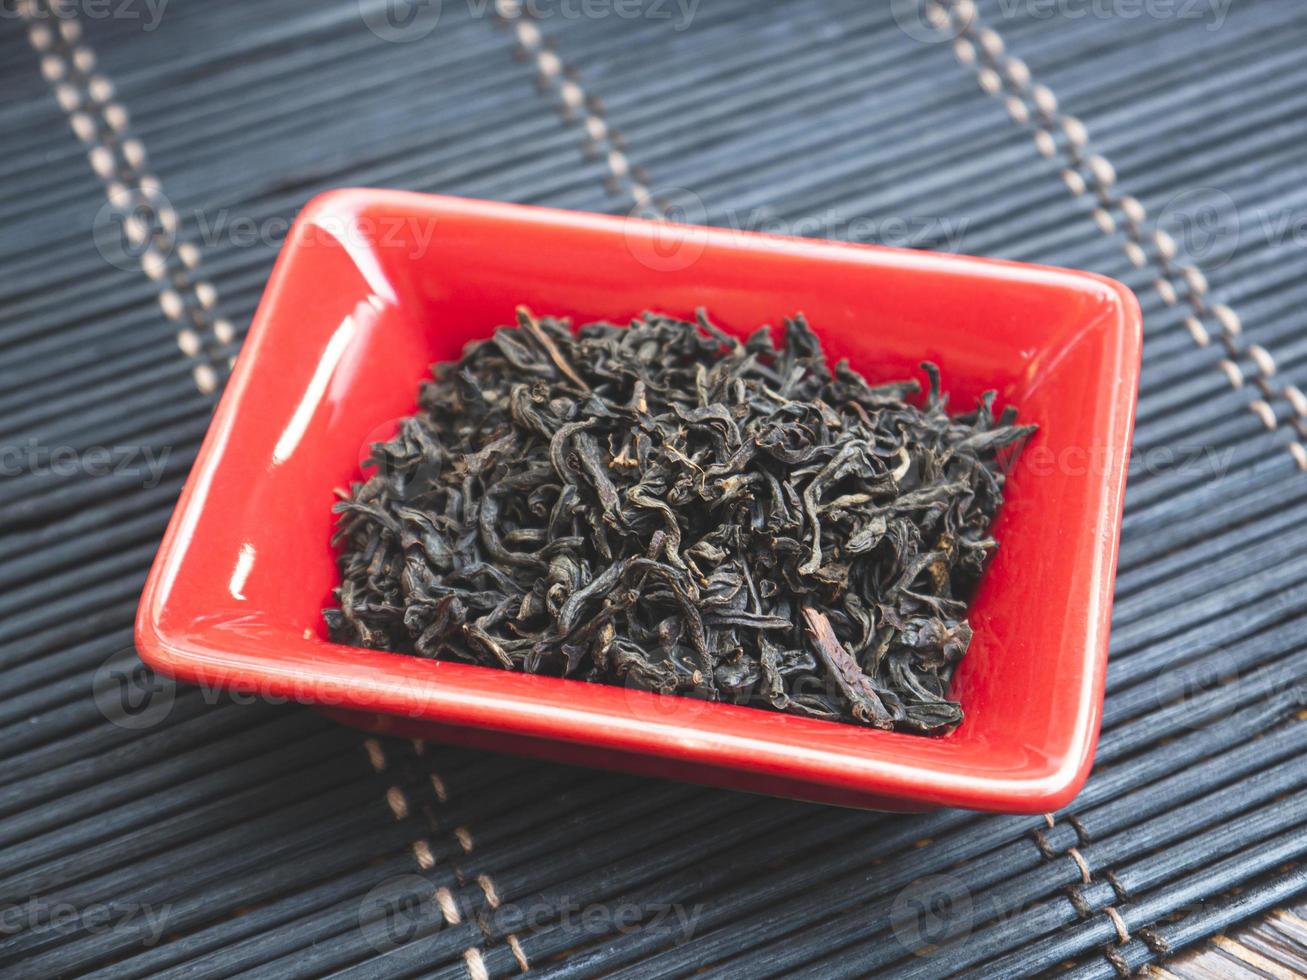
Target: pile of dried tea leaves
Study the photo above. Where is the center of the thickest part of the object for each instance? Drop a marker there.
(667, 507)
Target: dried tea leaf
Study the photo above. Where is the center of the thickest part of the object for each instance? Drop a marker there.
(666, 506)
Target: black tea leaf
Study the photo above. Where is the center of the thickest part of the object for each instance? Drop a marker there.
(665, 506)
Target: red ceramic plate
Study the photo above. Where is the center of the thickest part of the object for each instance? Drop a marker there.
(374, 286)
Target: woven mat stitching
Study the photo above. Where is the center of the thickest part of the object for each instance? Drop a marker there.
(133, 194)
(998, 73)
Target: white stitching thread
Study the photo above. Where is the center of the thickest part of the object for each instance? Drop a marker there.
(601, 138)
(100, 123)
(1074, 854)
(398, 802)
(438, 786)
(444, 898)
(422, 854)
(519, 953)
(476, 967)
(514, 944)
(472, 956)
(990, 71)
(1118, 923)
(448, 907)
(464, 838)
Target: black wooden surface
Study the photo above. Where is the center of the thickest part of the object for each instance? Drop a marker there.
(204, 838)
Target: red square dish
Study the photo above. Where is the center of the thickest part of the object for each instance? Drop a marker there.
(374, 286)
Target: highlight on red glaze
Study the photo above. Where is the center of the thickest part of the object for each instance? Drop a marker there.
(374, 286)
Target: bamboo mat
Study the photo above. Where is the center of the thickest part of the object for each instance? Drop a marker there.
(153, 830)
